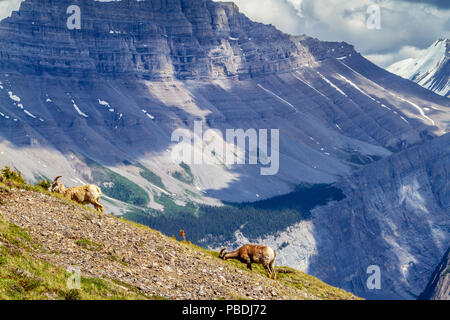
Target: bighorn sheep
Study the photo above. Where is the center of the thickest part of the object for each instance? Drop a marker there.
(251, 253)
(87, 194)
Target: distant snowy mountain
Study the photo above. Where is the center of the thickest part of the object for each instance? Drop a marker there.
(431, 70)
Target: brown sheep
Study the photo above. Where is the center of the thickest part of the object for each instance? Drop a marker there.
(252, 253)
(87, 194)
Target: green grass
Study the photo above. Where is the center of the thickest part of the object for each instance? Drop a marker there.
(312, 285)
(88, 244)
(150, 176)
(12, 175)
(186, 176)
(191, 194)
(25, 278)
(289, 277)
(171, 207)
(121, 188)
(116, 258)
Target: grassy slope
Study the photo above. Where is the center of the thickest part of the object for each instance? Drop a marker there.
(288, 276)
(24, 277)
(296, 279)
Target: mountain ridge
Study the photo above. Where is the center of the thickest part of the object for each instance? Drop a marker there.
(430, 70)
(217, 41)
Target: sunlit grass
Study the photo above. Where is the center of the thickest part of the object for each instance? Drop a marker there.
(24, 278)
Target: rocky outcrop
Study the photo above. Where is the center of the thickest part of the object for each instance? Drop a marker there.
(439, 286)
(154, 39)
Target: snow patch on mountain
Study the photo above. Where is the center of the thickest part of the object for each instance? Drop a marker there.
(332, 84)
(78, 110)
(431, 70)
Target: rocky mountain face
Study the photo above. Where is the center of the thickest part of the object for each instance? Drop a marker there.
(100, 104)
(395, 216)
(431, 70)
(152, 39)
(439, 286)
(115, 90)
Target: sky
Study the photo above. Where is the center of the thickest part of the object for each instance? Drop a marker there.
(407, 27)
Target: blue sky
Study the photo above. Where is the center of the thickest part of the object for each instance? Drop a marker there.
(407, 26)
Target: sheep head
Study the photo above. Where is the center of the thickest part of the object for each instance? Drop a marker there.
(57, 186)
(222, 253)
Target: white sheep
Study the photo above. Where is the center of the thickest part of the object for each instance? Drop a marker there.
(87, 194)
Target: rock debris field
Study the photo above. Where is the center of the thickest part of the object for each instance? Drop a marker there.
(105, 246)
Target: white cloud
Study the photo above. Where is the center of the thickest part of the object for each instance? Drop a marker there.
(405, 26)
(280, 13)
(385, 60)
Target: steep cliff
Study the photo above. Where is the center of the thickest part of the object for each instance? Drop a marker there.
(395, 216)
(151, 39)
(439, 286)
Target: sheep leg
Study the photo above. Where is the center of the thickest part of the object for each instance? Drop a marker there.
(99, 207)
(269, 272)
(272, 269)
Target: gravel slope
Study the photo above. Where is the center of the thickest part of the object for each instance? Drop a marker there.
(109, 247)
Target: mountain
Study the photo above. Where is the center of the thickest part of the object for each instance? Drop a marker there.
(101, 103)
(439, 286)
(395, 216)
(431, 70)
(118, 259)
(114, 92)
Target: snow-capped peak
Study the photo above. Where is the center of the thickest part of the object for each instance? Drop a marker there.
(431, 70)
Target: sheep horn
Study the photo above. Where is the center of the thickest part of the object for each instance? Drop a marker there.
(57, 178)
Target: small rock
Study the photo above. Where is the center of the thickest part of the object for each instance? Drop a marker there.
(168, 269)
